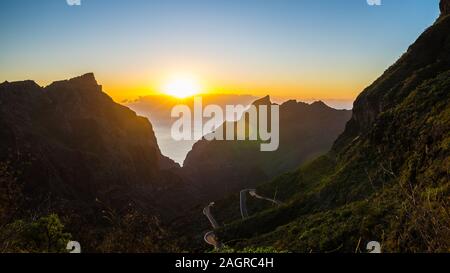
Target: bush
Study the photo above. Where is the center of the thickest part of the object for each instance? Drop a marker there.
(45, 235)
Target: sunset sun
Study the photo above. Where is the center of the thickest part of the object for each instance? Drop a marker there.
(182, 87)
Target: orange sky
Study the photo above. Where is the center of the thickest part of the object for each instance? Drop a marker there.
(306, 89)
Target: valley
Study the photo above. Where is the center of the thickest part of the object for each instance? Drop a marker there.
(76, 166)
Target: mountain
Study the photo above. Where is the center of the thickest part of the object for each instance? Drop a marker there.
(75, 152)
(219, 167)
(386, 178)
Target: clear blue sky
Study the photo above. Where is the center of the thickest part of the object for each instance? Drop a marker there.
(297, 48)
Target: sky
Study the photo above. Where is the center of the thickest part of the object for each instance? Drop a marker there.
(303, 49)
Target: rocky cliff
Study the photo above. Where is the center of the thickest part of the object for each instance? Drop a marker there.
(70, 141)
(386, 178)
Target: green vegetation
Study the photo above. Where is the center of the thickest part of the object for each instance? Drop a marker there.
(44, 235)
(134, 232)
(387, 177)
(40, 229)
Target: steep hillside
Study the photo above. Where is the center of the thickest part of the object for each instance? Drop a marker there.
(71, 150)
(218, 168)
(387, 176)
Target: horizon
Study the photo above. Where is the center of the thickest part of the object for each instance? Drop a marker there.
(228, 134)
(339, 104)
(249, 49)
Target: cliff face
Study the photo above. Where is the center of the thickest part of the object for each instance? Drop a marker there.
(427, 56)
(217, 168)
(386, 178)
(71, 141)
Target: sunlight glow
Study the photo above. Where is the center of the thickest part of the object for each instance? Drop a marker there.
(182, 87)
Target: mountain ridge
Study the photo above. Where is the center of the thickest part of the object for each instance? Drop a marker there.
(386, 178)
(306, 131)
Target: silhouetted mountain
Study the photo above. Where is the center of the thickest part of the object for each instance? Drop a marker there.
(306, 131)
(73, 144)
(386, 178)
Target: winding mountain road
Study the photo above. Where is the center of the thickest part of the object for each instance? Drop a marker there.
(252, 192)
(255, 195)
(210, 237)
(207, 213)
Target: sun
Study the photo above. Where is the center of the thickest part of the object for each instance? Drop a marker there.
(182, 87)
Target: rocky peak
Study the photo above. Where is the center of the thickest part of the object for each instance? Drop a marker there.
(263, 101)
(290, 104)
(319, 104)
(83, 82)
(87, 78)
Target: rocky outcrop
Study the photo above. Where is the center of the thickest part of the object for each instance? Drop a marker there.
(428, 55)
(71, 141)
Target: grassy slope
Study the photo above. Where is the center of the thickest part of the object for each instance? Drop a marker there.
(386, 180)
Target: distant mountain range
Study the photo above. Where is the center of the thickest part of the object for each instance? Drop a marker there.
(157, 108)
